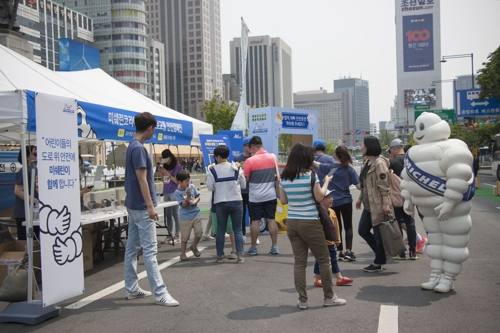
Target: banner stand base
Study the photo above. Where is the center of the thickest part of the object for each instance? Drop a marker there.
(32, 313)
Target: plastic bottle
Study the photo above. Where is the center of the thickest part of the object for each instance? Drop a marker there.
(158, 196)
(36, 212)
(112, 199)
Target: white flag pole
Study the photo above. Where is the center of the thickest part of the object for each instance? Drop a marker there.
(240, 121)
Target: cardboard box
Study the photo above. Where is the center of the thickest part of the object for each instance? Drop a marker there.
(478, 182)
(498, 187)
(12, 252)
(88, 258)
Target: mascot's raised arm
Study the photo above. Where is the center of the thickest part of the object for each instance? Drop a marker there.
(438, 179)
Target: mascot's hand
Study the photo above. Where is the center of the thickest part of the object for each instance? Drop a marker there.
(444, 210)
(409, 207)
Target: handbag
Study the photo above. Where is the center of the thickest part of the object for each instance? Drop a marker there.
(14, 287)
(324, 217)
(391, 237)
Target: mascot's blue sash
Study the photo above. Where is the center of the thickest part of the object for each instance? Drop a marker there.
(431, 183)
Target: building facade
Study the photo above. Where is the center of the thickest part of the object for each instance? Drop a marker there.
(464, 82)
(418, 55)
(330, 115)
(190, 30)
(356, 111)
(44, 22)
(156, 56)
(120, 35)
(231, 91)
(269, 70)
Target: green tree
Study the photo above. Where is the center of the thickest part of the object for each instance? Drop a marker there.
(330, 148)
(489, 76)
(219, 113)
(385, 138)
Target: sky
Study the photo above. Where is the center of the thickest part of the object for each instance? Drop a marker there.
(331, 39)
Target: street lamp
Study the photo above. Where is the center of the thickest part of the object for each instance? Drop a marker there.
(455, 56)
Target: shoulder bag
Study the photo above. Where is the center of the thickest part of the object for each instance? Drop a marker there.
(324, 216)
(391, 236)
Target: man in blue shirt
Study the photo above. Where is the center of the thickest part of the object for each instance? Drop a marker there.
(141, 203)
(321, 157)
(241, 158)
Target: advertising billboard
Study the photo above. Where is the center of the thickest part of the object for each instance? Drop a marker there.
(418, 43)
(75, 56)
(423, 96)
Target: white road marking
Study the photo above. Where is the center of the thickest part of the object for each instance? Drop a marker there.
(498, 207)
(489, 185)
(117, 286)
(388, 319)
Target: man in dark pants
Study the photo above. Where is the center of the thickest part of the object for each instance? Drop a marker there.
(396, 159)
(241, 158)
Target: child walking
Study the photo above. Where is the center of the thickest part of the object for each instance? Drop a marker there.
(341, 280)
(189, 213)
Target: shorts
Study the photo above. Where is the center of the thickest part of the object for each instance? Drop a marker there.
(187, 225)
(259, 210)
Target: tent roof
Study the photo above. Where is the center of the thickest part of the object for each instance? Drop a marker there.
(93, 86)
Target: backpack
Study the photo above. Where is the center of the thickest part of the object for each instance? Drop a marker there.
(396, 198)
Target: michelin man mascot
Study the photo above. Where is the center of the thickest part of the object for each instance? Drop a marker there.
(438, 179)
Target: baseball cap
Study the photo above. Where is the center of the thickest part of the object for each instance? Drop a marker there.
(319, 144)
(246, 141)
(328, 192)
(394, 143)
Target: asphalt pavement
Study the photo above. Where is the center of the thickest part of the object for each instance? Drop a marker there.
(259, 295)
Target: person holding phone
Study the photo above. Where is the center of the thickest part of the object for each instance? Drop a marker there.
(169, 171)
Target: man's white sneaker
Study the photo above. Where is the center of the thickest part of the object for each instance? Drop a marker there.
(207, 237)
(139, 294)
(334, 301)
(166, 300)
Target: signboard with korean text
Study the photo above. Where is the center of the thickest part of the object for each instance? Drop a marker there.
(209, 142)
(469, 105)
(421, 107)
(236, 140)
(59, 193)
(447, 115)
(418, 43)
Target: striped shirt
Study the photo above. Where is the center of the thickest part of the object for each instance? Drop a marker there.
(300, 197)
(260, 169)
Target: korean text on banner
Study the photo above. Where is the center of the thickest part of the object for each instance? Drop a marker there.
(418, 43)
(209, 143)
(235, 139)
(59, 193)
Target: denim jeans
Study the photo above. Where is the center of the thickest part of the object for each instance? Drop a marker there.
(222, 211)
(172, 212)
(374, 240)
(402, 217)
(142, 233)
(333, 259)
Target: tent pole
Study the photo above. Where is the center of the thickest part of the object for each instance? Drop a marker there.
(114, 163)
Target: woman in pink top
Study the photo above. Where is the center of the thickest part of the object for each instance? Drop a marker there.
(169, 169)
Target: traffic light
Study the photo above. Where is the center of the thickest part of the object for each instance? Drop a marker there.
(366, 132)
(354, 141)
(342, 141)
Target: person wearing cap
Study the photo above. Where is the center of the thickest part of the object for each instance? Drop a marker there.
(169, 169)
(241, 158)
(321, 157)
(332, 246)
(406, 222)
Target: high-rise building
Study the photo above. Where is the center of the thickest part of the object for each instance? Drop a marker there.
(373, 128)
(44, 22)
(464, 82)
(269, 70)
(356, 111)
(190, 30)
(120, 35)
(395, 111)
(156, 56)
(329, 107)
(231, 91)
(418, 55)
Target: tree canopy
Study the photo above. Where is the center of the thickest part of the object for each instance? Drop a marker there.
(489, 76)
(219, 113)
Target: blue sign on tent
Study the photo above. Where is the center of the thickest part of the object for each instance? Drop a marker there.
(469, 105)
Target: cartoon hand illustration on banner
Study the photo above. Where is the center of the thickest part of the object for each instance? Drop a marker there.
(84, 128)
(69, 249)
(57, 222)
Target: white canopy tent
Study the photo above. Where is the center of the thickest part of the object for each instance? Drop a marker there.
(18, 74)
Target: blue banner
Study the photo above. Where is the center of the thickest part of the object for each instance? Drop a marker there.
(418, 43)
(107, 123)
(236, 140)
(209, 142)
(294, 120)
(469, 105)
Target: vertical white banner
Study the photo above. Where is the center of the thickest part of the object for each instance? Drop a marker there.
(240, 120)
(59, 194)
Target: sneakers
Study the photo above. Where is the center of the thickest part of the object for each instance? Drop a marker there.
(342, 257)
(334, 301)
(167, 240)
(349, 256)
(177, 240)
(274, 250)
(252, 251)
(195, 251)
(421, 245)
(207, 237)
(226, 236)
(232, 255)
(414, 256)
(401, 256)
(244, 239)
(166, 300)
(302, 305)
(184, 257)
(219, 259)
(344, 281)
(317, 283)
(373, 268)
(139, 294)
(241, 260)
(258, 242)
